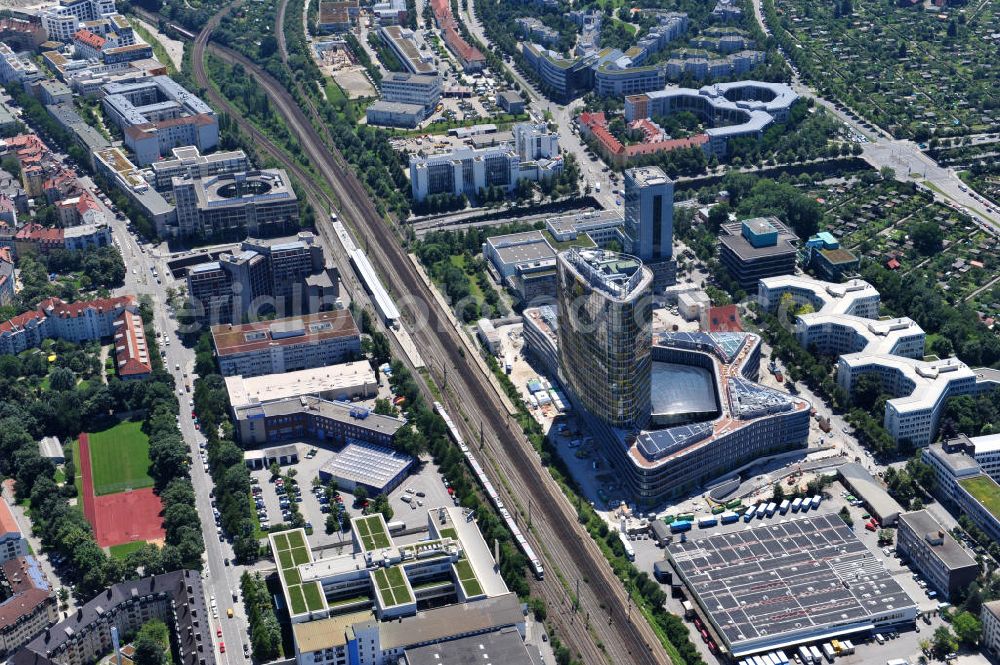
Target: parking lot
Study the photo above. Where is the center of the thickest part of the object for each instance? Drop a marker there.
(424, 480)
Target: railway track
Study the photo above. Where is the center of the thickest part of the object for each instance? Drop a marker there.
(603, 613)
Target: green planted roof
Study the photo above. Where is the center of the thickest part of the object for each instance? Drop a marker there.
(290, 551)
(392, 588)
(467, 578)
(372, 532)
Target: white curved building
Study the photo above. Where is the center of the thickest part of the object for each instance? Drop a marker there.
(844, 322)
(737, 109)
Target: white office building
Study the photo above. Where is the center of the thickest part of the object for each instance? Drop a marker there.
(405, 88)
(62, 20)
(648, 232)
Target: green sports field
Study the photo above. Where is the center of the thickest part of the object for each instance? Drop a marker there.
(119, 457)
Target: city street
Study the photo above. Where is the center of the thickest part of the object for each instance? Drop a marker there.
(221, 581)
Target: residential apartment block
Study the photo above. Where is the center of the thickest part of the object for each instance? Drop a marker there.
(12, 542)
(176, 598)
(132, 353)
(284, 345)
(29, 606)
(63, 19)
(990, 639)
(54, 319)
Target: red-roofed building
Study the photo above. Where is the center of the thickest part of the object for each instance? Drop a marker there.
(54, 319)
(469, 56)
(31, 606)
(12, 541)
(89, 45)
(893, 264)
(725, 318)
(37, 238)
(79, 209)
(131, 350)
(595, 125)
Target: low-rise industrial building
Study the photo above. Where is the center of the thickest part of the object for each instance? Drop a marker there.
(943, 562)
(379, 469)
(285, 345)
(394, 114)
(346, 381)
(298, 418)
(864, 486)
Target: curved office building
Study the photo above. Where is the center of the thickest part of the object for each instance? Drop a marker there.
(605, 316)
(709, 417)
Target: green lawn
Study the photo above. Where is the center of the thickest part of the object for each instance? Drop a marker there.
(984, 490)
(123, 550)
(334, 92)
(119, 457)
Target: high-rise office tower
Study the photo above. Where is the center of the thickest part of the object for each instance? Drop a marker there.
(605, 333)
(648, 233)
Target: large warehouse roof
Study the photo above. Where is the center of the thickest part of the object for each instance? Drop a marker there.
(787, 583)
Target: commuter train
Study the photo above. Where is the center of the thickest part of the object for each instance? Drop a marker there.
(522, 542)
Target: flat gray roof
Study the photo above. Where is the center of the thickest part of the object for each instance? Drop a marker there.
(367, 464)
(791, 580)
(501, 647)
(868, 490)
(524, 247)
(949, 552)
(396, 107)
(955, 462)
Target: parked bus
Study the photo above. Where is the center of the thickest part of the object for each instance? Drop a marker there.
(748, 515)
(785, 505)
(771, 507)
(679, 526)
(796, 504)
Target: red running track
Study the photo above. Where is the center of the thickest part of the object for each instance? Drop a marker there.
(122, 517)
